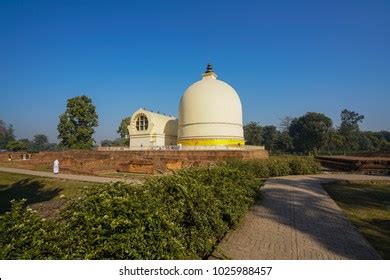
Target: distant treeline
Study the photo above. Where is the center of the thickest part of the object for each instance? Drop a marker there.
(8, 141)
(310, 133)
(315, 133)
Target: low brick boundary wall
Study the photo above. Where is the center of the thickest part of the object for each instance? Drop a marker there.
(356, 164)
(149, 162)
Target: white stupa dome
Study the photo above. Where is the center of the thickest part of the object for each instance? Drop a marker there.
(210, 114)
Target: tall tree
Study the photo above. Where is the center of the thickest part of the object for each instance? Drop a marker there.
(252, 134)
(285, 123)
(77, 123)
(6, 134)
(283, 142)
(124, 132)
(310, 131)
(335, 141)
(40, 142)
(349, 128)
(350, 121)
(270, 134)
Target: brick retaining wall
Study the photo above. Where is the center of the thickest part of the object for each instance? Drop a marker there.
(151, 161)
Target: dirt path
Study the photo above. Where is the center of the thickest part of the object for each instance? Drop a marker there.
(85, 178)
(296, 219)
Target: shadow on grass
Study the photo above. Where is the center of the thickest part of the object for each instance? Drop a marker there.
(367, 205)
(31, 189)
(360, 195)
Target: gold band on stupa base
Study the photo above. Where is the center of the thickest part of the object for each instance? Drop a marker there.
(211, 142)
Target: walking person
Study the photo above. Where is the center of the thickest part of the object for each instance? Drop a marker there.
(56, 167)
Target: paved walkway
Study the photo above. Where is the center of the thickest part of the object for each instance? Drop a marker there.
(86, 178)
(296, 219)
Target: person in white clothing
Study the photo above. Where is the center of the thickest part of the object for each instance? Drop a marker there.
(56, 167)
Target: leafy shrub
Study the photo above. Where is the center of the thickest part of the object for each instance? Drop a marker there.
(25, 235)
(177, 216)
(120, 222)
(253, 167)
(301, 166)
(209, 200)
(277, 166)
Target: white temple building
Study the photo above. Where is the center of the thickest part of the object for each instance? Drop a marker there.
(210, 116)
(149, 129)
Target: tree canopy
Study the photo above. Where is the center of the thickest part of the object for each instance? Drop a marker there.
(6, 134)
(270, 135)
(310, 132)
(40, 142)
(350, 121)
(349, 129)
(77, 123)
(16, 145)
(253, 134)
(123, 131)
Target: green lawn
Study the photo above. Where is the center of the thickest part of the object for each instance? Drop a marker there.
(124, 175)
(367, 205)
(46, 195)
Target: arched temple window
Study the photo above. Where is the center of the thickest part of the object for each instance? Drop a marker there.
(141, 123)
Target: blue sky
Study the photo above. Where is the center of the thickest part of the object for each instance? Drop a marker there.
(284, 58)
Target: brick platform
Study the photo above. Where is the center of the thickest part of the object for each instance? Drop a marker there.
(372, 164)
(148, 162)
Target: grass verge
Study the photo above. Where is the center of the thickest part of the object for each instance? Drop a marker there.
(367, 205)
(46, 195)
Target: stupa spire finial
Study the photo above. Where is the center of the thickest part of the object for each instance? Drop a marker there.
(209, 68)
(209, 72)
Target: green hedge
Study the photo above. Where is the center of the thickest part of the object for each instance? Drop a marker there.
(277, 166)
(178, 216)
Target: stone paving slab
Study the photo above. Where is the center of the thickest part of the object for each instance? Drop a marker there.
(295, 219)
